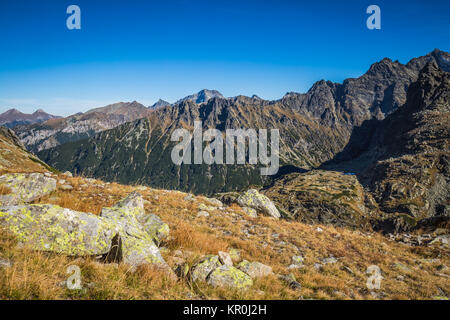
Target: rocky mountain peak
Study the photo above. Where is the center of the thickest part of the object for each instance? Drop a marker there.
(203, 96)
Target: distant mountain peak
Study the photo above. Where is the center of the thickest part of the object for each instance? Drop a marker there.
(203, 96)
(160, 103)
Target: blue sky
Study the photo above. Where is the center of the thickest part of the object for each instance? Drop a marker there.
(146, 50)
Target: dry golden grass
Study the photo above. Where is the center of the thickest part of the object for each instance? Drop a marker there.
(36, 275)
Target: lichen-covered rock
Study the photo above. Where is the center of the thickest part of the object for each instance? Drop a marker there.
(137, 245)
(255, 269)
(250, 212)
(155, 227)
(56, 229)
(203, 268)
(25, 187)
(297, 262)
(253, 199)
(229, 276)
(133, 203)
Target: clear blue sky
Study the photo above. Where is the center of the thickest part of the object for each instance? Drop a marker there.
(145, 50)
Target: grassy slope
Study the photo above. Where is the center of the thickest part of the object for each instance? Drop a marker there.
(36, 275)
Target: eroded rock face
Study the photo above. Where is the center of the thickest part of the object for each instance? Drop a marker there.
(229, 276)
(25, 187)
(253, 199)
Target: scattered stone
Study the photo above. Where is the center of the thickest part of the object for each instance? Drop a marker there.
(319, 229)
(401, 267)
(291, 281)
(215, 202)
(61, 181)
(229, 276)
(298, 260)
(253, 199)
(25, 187)
(189, 197)
(318, 266)
(225, 258)
(202, 214)
(400, 278)
(204, 207)
(329, 260)
(254, 269)
(66, 187)
(68, 173)
(48, 174)
(202, 269)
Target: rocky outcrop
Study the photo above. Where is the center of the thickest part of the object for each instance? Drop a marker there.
(404, 159)
(325, 197)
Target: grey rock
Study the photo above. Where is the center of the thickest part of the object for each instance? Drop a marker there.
(253, 199)
(255, 269)
(229, 276)
(225, 258)
(25, 187)
(204, 267)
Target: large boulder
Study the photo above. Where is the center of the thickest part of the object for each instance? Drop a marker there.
(25, 187)
(56, 229)
(229, 276)
(253, 199)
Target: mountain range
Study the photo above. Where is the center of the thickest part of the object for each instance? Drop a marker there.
(13, 117)
(376, 127)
